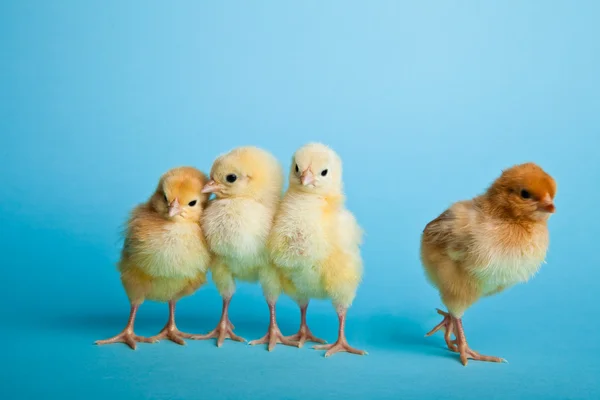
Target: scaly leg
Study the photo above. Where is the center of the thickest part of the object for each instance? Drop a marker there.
(304, 334)
(448, 325)
(453, 325)
(273, 335)
(341, 344)
(224, 329)
(127, 336)
(170, 330)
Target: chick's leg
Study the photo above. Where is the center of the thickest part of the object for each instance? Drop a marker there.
(304, 334)
(224, 329)
(448, 326)
(273, 335)
(127, 336)
(453, 325)
(341, 344)
(170, 330)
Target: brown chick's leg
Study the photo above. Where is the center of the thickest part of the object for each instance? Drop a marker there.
(127, 336)
(304, 334)
(273, 335)
(453, 325)
(224, 329)
(170, 330)
(341, 344)
(448, 325)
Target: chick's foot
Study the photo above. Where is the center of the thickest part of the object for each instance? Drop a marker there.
(170, 332)
(304, 334)
(273, 337)
(341, 345)
(453, 325)
(128, 337)
(224, 330)
(448, 326)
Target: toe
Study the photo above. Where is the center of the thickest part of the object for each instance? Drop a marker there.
(130, 342)
(142, 339)
(176, 339)
(262, 340)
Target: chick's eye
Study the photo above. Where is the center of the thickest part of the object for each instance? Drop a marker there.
(192, 203)
(166, 198)
(525, 194)
(324, 172)
(231, 178)
(297, 169)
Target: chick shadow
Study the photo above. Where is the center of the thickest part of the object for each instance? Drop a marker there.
(406, 334)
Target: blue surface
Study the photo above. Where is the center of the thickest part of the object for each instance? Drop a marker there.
(425, 101)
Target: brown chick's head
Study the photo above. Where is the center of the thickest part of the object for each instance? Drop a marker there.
(316, 169)
(246, 172)
(523, 192)
(179, 194)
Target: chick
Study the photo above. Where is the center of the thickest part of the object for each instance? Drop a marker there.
(315, 240)
(247, 183)
(482, 246)
(165, 256)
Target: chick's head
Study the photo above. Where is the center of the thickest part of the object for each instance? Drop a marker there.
(524, 191)
(179, 196)
(247, 172)
(316, 169)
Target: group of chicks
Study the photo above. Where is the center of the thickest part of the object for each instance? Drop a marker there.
(306, 244)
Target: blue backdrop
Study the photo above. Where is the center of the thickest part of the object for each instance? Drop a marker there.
(425, 101)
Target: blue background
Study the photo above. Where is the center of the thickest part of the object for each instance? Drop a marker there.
(425, 101)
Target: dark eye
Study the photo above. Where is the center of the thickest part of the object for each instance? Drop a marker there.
(525, 194)
(166, 199)
(231, 178)
(192, 203)
(297, 169)
(324, 172)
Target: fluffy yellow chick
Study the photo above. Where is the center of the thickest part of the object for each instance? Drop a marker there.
(482, 246)
(164, 256)
(315, 240)
(247, 183)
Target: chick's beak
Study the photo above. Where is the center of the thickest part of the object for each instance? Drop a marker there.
(211, 187)
(174, 208)
(307, 178)
(546, 204)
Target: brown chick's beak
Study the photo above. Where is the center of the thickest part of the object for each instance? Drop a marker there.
(174, 208)
(211, 187)
(307, 178)
(547, 205)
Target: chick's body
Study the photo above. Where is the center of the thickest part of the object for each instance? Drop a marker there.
(248, 183)
(165, 256)
(482, 246)
(315, 243)
(315, 240)
(161, 258)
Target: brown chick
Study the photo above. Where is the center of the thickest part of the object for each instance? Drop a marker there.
(165, 256)
(482, 246)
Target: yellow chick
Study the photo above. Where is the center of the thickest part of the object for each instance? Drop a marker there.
(247, 183)
(315, 240)
(165, 256)
(482, 246)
